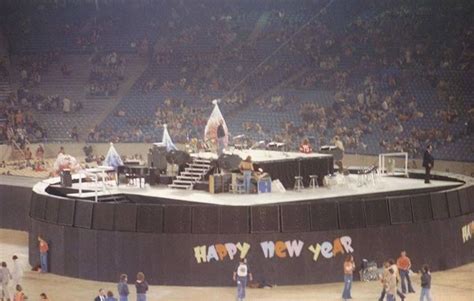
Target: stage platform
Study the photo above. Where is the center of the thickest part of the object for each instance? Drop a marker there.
(263, 156)
(178, 236)
(342, 186)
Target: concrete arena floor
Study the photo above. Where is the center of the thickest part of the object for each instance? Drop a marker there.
(452, 285)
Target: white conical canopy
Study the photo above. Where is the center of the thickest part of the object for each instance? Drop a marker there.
(166, 140)
(113, 158)
(210, 132)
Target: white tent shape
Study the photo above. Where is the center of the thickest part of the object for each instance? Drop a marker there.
(166, 140)
(113, 158)
(210, 132)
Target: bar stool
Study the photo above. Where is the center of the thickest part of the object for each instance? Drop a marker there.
(313, 182)
(298, 183)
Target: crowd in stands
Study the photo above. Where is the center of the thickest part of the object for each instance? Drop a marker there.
(256, 56)
(31, 67)
(107, 71)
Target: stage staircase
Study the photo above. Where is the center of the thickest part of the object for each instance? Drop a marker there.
(192, 174)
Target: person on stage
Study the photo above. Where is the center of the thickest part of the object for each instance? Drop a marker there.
(339, 145)
(240, 276)
(428, 162)
(305, 147)
(246, 167)
(220, 138)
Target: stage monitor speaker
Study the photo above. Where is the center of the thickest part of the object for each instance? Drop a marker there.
(421, 206)
(66, 178)
(295, 218)
(324, 216)
(439, 204)
(205, 220)
(52, 209)
(103, 216)
(38, 205)
(264, 219)
(83, 214)
(453, 203)
(150, 219)
(157, 158)
(376, 211)
(464, 200)
(400, 210)
(234, 220)
(351, 214)
(177, 219)
(125, 217)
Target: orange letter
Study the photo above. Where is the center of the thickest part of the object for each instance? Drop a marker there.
(221, 251)
(280, 248)
(337, 247)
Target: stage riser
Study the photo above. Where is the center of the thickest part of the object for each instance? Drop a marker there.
(317, 215)
(169, 259)
(159, 239)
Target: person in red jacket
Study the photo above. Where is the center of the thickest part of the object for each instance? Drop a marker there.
(43, 249)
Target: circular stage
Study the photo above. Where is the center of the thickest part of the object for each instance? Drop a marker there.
(196, 238)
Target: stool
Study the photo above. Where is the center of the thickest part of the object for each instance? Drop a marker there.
(313, 181)
(298, 183)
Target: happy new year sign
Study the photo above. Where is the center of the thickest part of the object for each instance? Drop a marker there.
(280, 249)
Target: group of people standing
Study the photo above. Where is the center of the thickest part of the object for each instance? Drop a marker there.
(394, 274)
(141, 286)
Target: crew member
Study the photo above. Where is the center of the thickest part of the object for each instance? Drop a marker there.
(246, 167)
(220, 138)
(428, 162)
(340, 146)
(305, 147)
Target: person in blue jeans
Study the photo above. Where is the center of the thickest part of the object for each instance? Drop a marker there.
(425, 283)
(43, 249)
(246, 167)
(241, 274)
(349, 268)
(122, 288)
(142, 287)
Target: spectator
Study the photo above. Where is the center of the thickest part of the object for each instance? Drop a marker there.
(101, 296)
(141, 286)
(241, 275)
(19, 295)
(425, 283)
(404, 265)
(75, 134)
(43, 249)
(122, 288)
(5, 277)
(110, 296)
(391, 285)
(349, 267)
(40, 152)
(17, 271)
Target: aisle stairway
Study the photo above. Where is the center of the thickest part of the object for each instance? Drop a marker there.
(193, 173)
(94, 110)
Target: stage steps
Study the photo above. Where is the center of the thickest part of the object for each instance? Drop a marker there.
(191, 174)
